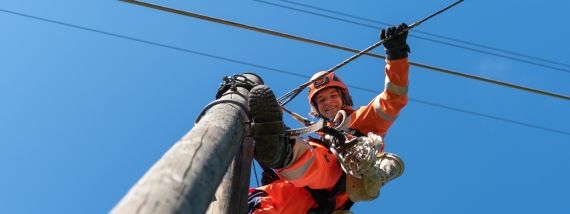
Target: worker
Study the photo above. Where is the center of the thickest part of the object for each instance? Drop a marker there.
(307, 176)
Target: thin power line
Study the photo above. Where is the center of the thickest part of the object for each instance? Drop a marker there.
(472, 113)
(147, 42)
(529, 59)
(276, 70)
(429, 34)
(297, 38)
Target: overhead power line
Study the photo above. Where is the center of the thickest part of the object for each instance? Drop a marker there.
(426, 33)
(283, 100)
(275, 70)
(297, 38)
(527, 59)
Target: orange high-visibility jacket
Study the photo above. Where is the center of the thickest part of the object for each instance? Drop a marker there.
(315, 167)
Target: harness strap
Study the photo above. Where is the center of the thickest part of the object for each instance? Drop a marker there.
(326, 200)
(307, 129)
(320, 141)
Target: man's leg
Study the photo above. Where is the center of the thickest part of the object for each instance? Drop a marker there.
(272, 147)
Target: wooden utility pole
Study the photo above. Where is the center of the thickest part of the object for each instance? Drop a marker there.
(185, 179)
(231, 196)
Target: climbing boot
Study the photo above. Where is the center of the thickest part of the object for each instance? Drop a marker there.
(272, 147)
(387, 167)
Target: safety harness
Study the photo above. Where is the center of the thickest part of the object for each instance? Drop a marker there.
(337, 143)
(326, 200)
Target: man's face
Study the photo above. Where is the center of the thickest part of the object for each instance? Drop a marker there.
(329, 102)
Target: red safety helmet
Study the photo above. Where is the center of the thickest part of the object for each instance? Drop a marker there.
(329, 80)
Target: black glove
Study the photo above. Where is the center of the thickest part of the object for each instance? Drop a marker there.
(396, 46)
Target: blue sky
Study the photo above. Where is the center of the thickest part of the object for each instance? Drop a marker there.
(92, 93)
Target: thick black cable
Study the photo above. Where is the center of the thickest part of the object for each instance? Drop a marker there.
(261, 30)
(274, 69)
(529, 59)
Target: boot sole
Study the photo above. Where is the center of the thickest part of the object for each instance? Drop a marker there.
(263, 105)
(268, 127)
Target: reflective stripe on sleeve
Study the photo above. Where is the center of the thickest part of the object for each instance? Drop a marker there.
(381, 112)
(297, 173)
(396, 89)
